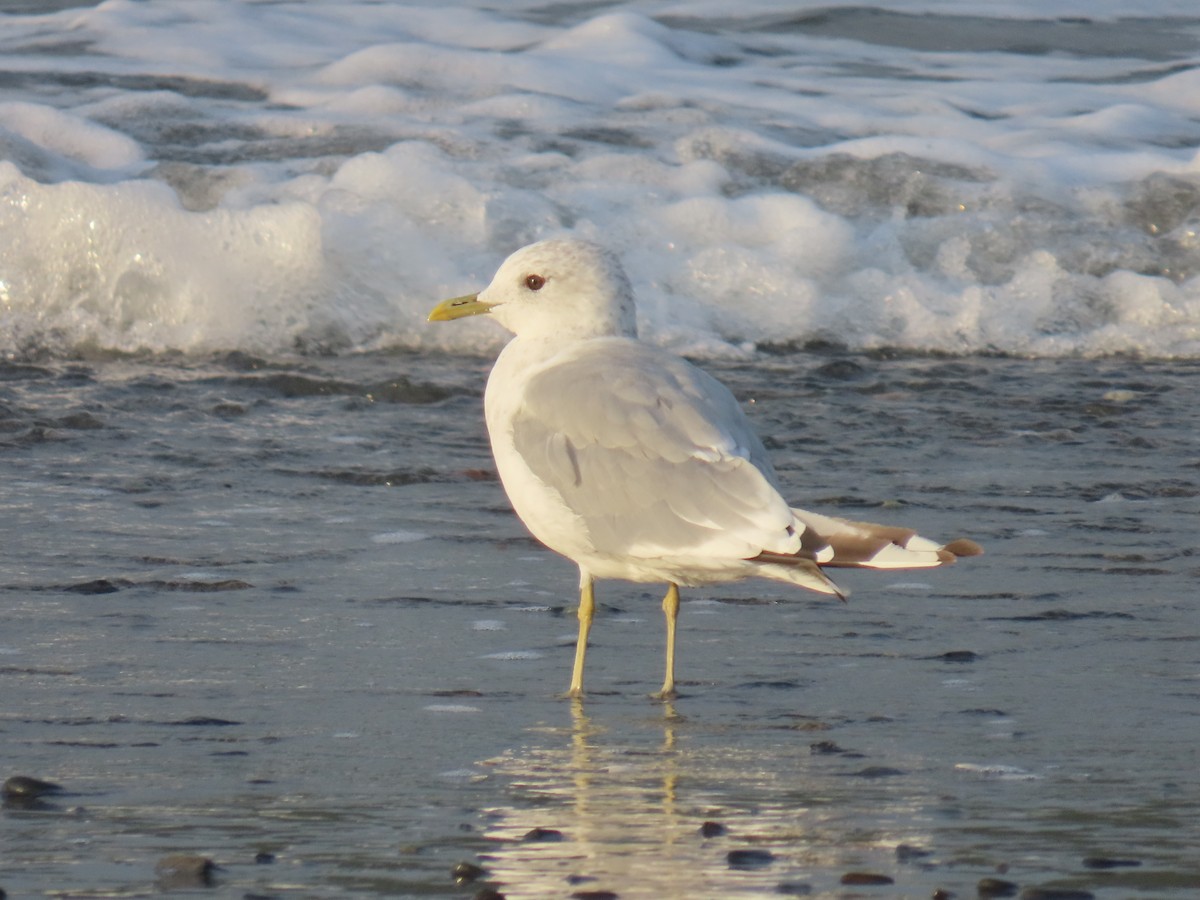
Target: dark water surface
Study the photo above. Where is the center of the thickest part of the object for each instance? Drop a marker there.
(278, 614)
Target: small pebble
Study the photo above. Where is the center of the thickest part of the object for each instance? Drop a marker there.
(1106, 862)
(547, 835)
(1050, 893)
(824, 748)
(712, 829)
(793, 889)
(180, 870)
(996, 887)
(596, 895)
(97, 586)
(488, 893)
(466, 872)
(959, 656)
(23, 788)
(228, 410)
(942, 894)
(749, 859)
(263, 858)
(864, 878)
(907, 853)
(876, 772)
(841, 370)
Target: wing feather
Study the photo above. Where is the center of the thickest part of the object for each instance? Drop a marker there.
(653, 455)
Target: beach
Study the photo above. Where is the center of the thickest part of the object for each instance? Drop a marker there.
(272, 609)
(269, 625)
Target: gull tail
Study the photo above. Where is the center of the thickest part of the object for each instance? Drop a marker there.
(828, 542)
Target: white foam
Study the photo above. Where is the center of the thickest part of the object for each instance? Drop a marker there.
(399, 537)
(997, 771)
(125, 266)
(269, 176)
(70, 145)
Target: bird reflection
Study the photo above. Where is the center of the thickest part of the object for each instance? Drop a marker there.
(594, 813)
(651, 778)
(654, 804)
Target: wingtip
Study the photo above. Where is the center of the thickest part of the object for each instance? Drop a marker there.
(962, 547)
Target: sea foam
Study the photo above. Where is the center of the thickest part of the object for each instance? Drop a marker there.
(274, 177)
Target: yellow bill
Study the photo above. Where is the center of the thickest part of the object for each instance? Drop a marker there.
(459, 308)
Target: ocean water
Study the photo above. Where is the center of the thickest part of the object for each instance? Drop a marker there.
(262, 600)
(269, 177)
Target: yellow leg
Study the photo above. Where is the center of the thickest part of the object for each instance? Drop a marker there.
(670, 607)
(587, 609)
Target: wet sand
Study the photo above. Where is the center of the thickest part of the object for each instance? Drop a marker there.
(277, 615)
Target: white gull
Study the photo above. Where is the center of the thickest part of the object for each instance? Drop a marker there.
(634, 463)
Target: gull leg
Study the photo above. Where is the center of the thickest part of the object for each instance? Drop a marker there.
(670, 607)
(587, 609)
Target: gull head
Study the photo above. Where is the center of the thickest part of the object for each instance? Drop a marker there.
(557, 289)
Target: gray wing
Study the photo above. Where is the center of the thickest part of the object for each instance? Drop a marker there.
(654, 455)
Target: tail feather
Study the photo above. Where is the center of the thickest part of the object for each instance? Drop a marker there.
(800, 570)
(828, 542)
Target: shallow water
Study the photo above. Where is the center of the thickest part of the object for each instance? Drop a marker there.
(281, 607)
(274, 610)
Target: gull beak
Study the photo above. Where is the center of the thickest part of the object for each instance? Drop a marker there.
(459, 308)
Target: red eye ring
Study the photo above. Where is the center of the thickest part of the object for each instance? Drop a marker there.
(535, 282)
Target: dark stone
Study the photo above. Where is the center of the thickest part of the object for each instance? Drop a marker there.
(263, 858)
(712, 829)
(23, 792)
(488, 893)
(596, 895)
(942, 894)
(1050, 893)
(749, 859)
(876, 772)
(545, 835)
(98, 586)
(1107, 862)
(907, 852)
(182, 870)
(866, 878)
(841, 370)
(204, 721)
(793, 889)
(996, 887)
(466, 872)
(959, 656)
(80, 421)
(23, 788)
(824, 748)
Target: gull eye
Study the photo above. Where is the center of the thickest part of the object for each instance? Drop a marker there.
(535, 282)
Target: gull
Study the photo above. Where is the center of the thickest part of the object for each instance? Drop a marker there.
(634, 463)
